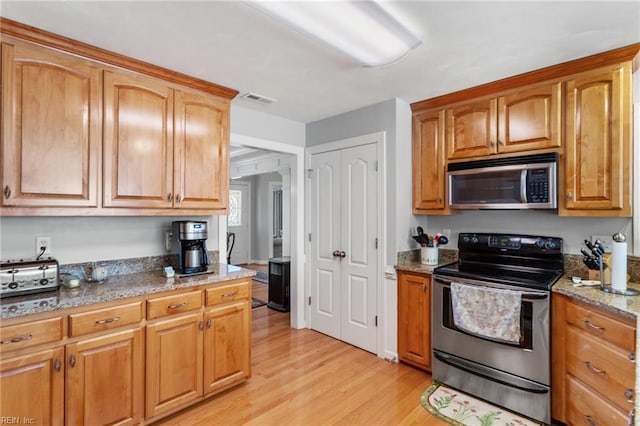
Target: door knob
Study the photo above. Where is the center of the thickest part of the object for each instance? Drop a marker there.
(336, 253)
(343, 254)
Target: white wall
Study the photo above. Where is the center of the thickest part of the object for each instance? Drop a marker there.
(261, 125)
(81, 239)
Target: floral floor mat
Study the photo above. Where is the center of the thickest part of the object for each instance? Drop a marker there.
(460, 409)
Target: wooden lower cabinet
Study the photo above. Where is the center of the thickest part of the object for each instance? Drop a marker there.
(105, 379)
(593, 369)
(174, 363)
(414, 319)
(32, 387)
(227, 346)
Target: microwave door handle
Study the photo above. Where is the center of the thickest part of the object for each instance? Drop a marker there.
(523, 186)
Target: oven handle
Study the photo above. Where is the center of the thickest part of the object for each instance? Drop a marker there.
(490, 374)
(523, 294)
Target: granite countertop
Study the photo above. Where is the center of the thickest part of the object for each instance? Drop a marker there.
(627, 306)
(116, 287)
(419, 267)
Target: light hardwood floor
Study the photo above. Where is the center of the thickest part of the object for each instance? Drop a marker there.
(302, 377)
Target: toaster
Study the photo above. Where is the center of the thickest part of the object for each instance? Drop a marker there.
(19, 277)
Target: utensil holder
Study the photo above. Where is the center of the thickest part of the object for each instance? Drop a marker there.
(429, 255)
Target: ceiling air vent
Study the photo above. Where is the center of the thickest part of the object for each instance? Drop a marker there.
(254, 97)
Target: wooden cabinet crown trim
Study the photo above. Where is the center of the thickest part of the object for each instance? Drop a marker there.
(45, 38)
(558, 71)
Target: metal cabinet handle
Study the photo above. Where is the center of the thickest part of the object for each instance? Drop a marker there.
(72, 360)
(16, 339)
(501, 142)
(177, 305)
(170, 197)
(592, 368)
(178, 198)
(201, 326)
(632, 417)
(7, 192)
(628, 394)
(592, 325)
(569, 196)
(209, 323)
(230, 294)
(57, 364)
(590, 420)
(424, 288)
(108, 320)
(492, 143)
(632, 356)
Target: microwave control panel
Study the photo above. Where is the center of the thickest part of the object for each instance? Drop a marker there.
(538, 185)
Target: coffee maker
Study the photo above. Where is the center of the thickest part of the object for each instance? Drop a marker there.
(189, 240)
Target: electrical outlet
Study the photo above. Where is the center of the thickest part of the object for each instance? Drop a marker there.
(605, 240)
(43, 242)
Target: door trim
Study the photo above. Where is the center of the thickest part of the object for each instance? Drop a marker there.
(249, 209)
(379, 138)
(297, 292)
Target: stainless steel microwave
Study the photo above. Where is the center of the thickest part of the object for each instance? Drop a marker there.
(525, 182)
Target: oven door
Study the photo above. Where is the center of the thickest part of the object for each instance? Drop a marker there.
(528, 359)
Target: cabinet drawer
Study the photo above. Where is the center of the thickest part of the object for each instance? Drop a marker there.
(174, 304)
(30, 334)
(601, 367)
(585, 407)
(104, 319)
(603, 326)
(227, 293)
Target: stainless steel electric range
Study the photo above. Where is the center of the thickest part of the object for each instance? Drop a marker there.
(491, 320)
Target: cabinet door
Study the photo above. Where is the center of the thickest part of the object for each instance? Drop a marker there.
(598, 172)
(50, 128)
(32, 387)
(201, 166)
(138, 142)
(174, 363)
(227, 346)
(529, 119)
(428, 161)
(472, 129)
(414, 320)
(105, 380)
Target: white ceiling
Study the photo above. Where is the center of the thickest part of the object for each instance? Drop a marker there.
(234, 44)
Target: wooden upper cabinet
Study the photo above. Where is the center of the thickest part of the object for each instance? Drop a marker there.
(50, 128)
(530, 118)
(471, 129)
(527, 119)
(597, 165)
(428, 160)
(201, 172)
(138, 142)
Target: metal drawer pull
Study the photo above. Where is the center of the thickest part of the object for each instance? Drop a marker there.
(108, 320)
(590, 420)
(177, 305)
(7, 192)
(592, 325)
(592, 368)
(632, 356)
(57, 364)
(230, 294)
(209, 323)
(201, 326)
(628, 394)
(72, 360)
(17, 339)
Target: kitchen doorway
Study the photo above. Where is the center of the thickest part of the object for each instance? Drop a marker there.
(239, 223)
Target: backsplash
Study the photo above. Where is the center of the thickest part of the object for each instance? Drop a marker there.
(132, 265)
(413, 256)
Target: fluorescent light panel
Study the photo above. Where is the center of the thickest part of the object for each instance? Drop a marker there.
(360, 29)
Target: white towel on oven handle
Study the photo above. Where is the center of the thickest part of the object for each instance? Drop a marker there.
(487, 311)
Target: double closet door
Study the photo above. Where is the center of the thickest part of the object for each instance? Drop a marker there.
(344, 260)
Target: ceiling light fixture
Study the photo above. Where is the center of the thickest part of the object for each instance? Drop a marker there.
(361, 29)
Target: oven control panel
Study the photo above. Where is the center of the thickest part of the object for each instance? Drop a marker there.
(507, 242)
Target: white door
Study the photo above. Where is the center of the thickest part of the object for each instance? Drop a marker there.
(238, 221)
(344, 225)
